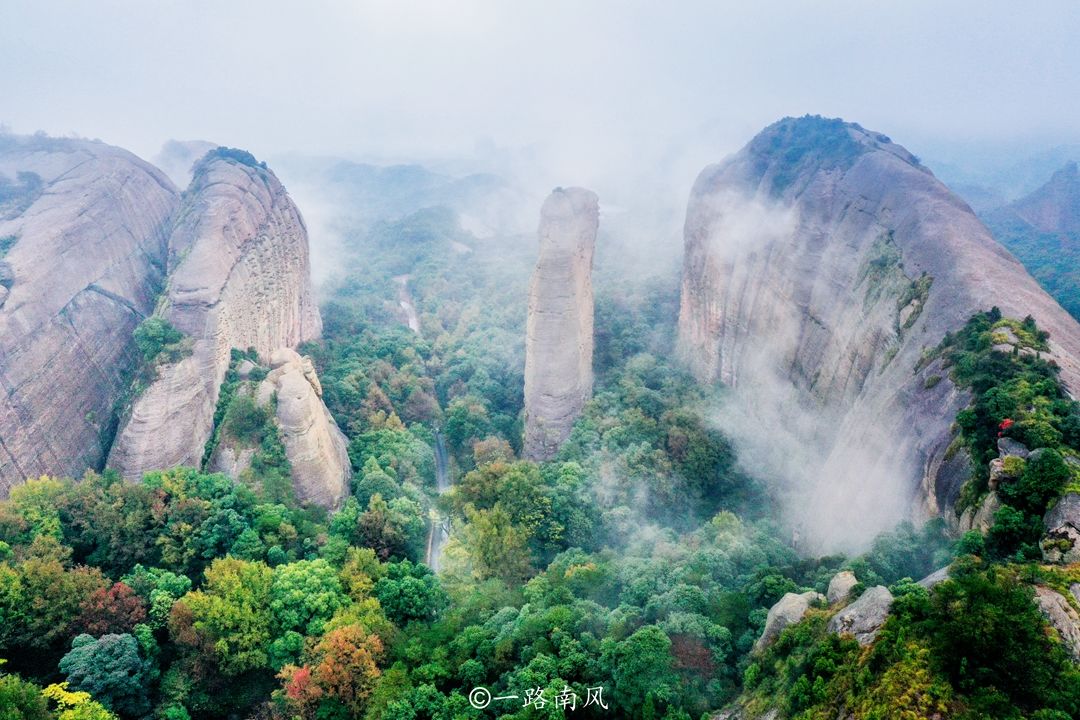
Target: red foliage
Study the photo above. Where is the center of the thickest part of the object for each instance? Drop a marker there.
(692, 654)
(111, 610)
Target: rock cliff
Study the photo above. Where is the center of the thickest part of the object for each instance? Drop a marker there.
(820, 262)
(559, 335)
(316, 449)
(238, 277)
(83, 233)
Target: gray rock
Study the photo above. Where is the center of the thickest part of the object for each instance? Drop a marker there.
(1074, 589)
(239, 277)
(1062, 617)
(789, 610)
(243, 370)
(938, 576)
(84, 272)
(840, 586)
(864, 617)
(1008, 446)
(793, 277)
(1062, 523)
(559, 333)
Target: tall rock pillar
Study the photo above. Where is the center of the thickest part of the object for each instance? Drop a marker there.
(559, 335)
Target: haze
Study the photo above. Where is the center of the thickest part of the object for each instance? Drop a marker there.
(596, 88)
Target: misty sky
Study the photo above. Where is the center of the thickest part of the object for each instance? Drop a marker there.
(593, 83)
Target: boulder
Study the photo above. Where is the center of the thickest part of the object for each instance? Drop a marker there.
(864, 617)
(938, 576)
(1062, 617)
(840, 586)
(316, 447)
(1062, 523)
(1008, 446)
(789, 610)
(559, 327)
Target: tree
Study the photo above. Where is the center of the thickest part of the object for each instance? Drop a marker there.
(76, 705)
(341, 674)
(114, 610)
(111, 670)
(410, 592)
(304, 595)
(52, 600)
(20, 699)
(231, 615)
(641, 665)
(496, 546)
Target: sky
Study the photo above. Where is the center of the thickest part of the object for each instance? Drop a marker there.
(599, 87)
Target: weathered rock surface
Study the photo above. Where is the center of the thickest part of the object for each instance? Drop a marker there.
(1062, 617)
(89, 232)
(316, 448)
(559, 339)
(820, 262)
(239, 277)
(980, 518)
(840, 586)
(864, 617)
(789, 610)
(1062, 523)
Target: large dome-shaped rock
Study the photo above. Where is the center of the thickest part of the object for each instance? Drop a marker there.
(559, 334)
(864, 617)
(841, 586)
(83, 231)
(788, 610)
(239, 277)
(821, 262)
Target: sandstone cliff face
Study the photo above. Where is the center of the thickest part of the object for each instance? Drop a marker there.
(559, 339)
(316, 449)
(820, 262)
(238, 276)
(82, 254)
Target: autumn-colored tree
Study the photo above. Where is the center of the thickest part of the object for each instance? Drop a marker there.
(342, 671)
(113, 610)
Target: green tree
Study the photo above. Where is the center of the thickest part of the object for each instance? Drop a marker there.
(410, 592)
(112, 670)
(304, 595)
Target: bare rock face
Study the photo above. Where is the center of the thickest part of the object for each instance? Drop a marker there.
(1055, 207)
(83, 231)
(1062, 617)
(788, 610)
(1062, 523)
(316, 448)
(559, 340)
(238, 277)
(821, 261)
(864, 617)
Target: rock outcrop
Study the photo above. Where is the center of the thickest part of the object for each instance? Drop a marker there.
(238, 277)
(1062, 617)
(840, 587)
(821, 261)
(316, 448)
(788, 610)
(1054, 207)
(83, 233)
(559, 339)
(864, 617)
(1062, 523)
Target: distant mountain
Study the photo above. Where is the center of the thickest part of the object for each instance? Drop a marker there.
(822, 262)
(1043, 230)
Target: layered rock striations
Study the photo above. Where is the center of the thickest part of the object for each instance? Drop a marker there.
(83, 242)
(559, 335)
(821, 262)
(238, 277)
